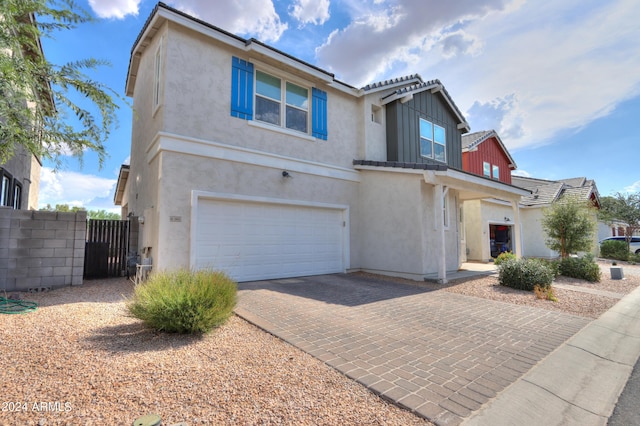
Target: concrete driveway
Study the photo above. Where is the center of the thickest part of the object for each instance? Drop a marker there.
(439, 354)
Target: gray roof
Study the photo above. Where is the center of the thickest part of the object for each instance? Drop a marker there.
(394, 81)
(472, 140)
(548, 191)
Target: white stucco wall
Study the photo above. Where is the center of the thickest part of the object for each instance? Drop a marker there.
(396, 232)
(183, 173)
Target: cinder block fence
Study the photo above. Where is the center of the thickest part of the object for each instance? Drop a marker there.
(41, 250)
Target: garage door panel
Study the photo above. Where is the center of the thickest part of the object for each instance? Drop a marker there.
(253, 241)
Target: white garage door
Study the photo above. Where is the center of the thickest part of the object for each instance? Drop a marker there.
(254, 241)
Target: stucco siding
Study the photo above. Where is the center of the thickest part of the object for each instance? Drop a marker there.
(198, 73)
(181, 174)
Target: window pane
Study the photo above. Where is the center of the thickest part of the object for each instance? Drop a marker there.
(297, 96)
(438, 134)
(439, 152)
(486, 169)
(4, 195)
(426, 129)
(17, 197)
(296, 119)
(268, 85)
(496, 172)
(426, 148)
(267, 110)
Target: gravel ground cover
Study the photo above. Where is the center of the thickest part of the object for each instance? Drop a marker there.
(79, 360)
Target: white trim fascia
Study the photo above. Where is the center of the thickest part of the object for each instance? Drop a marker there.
(196, 195)
(199, 28)
(465, 177)
(390, 169)
(169, 142)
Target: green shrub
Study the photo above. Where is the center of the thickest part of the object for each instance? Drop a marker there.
(612, 249)
(525, 274)
(553, 264)
(502, 257)
(184, 301)
(584, 268)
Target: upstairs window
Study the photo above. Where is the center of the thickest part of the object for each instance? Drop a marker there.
(486, 169)
(17, 196)
(432, 141)
(256, 95)
(5, 190)
(269, 106)
(496, 172)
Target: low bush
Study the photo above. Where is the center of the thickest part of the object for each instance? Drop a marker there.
(584, 268)
(616, 250)
(545, 293)
(502, 257)
(184, 301)
(525, 274)
(553, 264)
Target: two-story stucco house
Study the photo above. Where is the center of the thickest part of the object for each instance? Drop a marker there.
(248, 160)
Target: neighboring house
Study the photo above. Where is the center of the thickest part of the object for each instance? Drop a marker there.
(20, 175)
(490, 224)
(543, 194)
(246, 159)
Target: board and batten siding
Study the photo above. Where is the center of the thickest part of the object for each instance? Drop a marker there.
(491, 152)
(403, 124)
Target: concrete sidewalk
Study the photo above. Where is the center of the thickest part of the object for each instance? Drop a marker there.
(577, 384)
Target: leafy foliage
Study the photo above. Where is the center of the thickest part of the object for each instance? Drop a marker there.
(570, 225)
(502, 257)
(611, 249)
(525, 274)
(91, 214)
(184, 301)
(584, 268)
(624, 209)
(37, 103)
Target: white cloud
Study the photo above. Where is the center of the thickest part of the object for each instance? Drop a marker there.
(384, 35)
(74, 189)
(634, 187)
(114, 8)
(254, 18)
(310, 11)
(519, 172)
(527, 69)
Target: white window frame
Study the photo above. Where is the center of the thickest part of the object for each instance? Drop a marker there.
(283, 103)
(432, 140)
(495, 172)
(486, 169)
(5, 190)
(157, 77)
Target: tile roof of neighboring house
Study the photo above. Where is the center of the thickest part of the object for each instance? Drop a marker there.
(471, 140)
(547, 191)
(407, 91)
(392, 82)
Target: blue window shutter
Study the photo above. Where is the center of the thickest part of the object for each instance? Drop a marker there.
(319, 111)
(242, 89)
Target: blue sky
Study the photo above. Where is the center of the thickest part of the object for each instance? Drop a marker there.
(559, 81)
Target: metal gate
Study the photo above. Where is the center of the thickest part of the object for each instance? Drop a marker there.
(107, 246)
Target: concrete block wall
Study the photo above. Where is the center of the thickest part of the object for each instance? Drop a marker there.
(40, 250)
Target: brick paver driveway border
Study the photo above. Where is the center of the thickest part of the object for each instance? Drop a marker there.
(438, 354)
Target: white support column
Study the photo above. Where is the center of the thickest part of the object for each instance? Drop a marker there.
(438, 193)
(517, 229)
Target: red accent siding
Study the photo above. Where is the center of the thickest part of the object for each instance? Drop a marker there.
(488, 151)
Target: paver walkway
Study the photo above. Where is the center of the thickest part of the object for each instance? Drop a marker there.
(439, 354)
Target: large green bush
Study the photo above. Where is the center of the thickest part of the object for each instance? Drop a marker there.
(612, 249)
(584, 268)
(525, 274)
(184, 301)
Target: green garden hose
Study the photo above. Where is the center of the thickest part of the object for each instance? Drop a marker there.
(12, 306)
